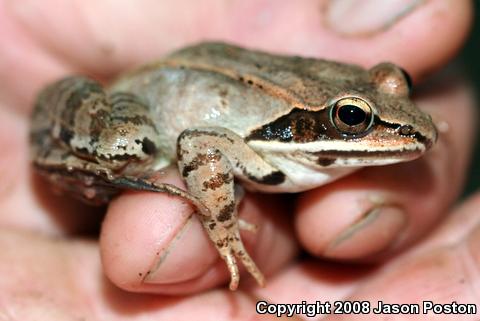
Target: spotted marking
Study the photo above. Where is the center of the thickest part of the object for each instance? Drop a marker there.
(274, 178)
(217, 181)
(226, 212)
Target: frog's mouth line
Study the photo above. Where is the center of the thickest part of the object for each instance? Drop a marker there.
(415, 135)
(355, 158)
(388, 155)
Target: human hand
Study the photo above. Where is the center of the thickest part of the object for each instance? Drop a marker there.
(42, 43)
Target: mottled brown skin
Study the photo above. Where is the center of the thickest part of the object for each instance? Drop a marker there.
(225, 115)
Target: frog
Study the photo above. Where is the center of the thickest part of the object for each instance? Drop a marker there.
(229, 118)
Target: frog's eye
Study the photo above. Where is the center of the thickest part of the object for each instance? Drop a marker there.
(352, 116)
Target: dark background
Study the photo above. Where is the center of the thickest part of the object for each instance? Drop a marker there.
(470, 59)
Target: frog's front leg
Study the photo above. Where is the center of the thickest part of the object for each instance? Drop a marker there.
(208, 160)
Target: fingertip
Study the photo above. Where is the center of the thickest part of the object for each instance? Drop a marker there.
(369, 214)
(152, 239)
(348, 221)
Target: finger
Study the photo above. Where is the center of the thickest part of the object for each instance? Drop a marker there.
(381, 210)
(103, 38)
(63, 280)
(155, 243)
(442, 270)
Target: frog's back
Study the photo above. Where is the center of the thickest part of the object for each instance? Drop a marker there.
(297, 77)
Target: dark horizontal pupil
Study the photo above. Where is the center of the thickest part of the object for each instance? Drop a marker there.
(351, 115)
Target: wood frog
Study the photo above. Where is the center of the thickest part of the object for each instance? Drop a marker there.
(227, 117)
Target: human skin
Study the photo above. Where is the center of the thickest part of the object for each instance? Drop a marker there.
(54, 270)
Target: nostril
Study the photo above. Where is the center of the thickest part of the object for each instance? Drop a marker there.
(405, 130)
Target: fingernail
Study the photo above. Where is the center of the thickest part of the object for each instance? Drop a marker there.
(171, 265)
(378, 229)
(360, 17)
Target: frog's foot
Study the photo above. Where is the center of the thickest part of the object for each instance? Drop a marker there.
(232, 248)
(232, 266)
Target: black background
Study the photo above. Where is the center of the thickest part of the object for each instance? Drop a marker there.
(469, 59)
